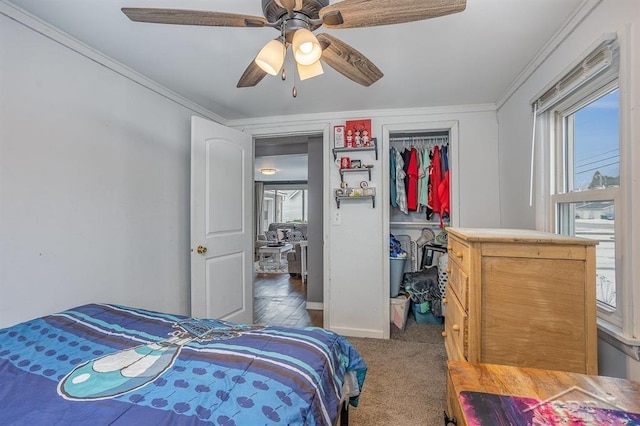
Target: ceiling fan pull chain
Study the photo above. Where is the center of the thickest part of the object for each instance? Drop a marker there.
(294, 92)
(284, 50)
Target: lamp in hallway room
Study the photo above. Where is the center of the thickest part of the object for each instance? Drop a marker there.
(268, 171)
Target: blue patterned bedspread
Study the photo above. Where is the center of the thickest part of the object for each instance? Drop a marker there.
(103, 364)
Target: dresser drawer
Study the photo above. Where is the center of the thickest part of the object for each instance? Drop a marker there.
(459, 283)
(459, 253)
(455, 328)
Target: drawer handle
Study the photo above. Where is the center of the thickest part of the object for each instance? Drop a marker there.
(448, 270)
(455, 327)
(458, 255)
(444, 300)
(449, 247)
(444, 334)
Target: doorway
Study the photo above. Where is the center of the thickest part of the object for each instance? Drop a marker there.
(291, 194)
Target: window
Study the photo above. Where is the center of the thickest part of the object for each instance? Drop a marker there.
(586, 172)
(588, 180)
(284, 205)
(582, 122)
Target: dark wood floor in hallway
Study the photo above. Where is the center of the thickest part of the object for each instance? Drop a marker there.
(280, 299)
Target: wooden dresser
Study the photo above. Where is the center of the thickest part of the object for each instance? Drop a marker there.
(536, 385)
(522, 298)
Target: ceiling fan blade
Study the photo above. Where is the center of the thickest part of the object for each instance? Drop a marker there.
(371, 13)
(251, 76)
(192, 17)
(348, 61)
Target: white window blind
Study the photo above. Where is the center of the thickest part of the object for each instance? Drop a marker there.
(600, 60)
(594, 64)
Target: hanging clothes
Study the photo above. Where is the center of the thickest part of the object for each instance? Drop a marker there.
(443, 195)
(406, 156)
(392, 177)
(401, 195)
(445, 158)
(416, 173)
(412, 181)
(419, 161)
(436, 179)
(423, 178)
(430, 187)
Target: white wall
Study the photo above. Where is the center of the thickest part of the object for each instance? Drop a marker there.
(94, 184)
(357, 296)
(515, 122)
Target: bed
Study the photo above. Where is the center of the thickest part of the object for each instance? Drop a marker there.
(109, 364)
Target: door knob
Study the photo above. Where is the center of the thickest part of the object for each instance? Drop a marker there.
(201, 250)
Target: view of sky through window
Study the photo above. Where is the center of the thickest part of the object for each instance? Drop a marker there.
(596, 144)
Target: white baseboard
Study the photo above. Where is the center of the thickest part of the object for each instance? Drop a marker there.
(317, 306)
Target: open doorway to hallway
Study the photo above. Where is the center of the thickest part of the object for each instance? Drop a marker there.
(289, 191)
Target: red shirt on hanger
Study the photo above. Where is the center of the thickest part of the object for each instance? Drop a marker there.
(436, 178)
(412, 188)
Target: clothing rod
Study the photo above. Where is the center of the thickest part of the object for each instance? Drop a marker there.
(443, 140)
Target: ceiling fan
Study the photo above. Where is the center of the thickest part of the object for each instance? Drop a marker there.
(296, 20)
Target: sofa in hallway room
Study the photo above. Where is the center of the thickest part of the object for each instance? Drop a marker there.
(291, 233)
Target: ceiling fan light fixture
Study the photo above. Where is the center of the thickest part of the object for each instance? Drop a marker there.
(306, 48)
(271, 57)
(268, 171)
(309, 71)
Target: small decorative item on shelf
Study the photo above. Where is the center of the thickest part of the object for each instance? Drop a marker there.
(365, 138)
(343, 162)
(361, 131)
(356, 164)
(355, 193)
(339, 137)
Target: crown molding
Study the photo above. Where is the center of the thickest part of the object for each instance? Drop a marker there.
(276, 121)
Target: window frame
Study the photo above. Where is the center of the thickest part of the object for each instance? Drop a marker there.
(617, 326)
(561, 174)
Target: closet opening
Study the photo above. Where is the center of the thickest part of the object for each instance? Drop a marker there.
(420, 180)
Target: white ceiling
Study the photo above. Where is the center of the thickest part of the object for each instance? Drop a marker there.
(461, 59)
(290, 168)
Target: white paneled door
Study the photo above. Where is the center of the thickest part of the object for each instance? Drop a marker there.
(221, 222)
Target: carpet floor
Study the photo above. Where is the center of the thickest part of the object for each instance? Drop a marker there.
(406, 378)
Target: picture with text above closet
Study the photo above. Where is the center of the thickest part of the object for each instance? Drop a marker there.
(419, 179)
